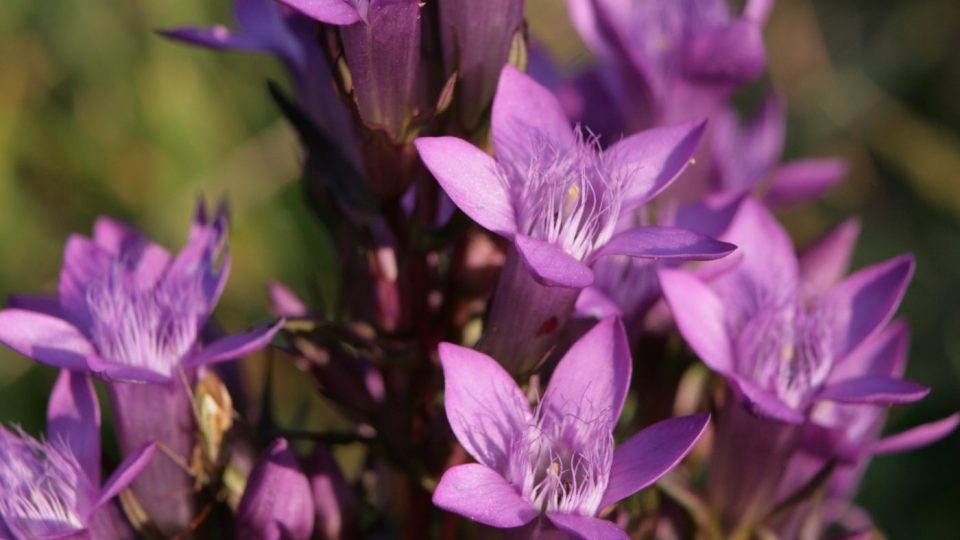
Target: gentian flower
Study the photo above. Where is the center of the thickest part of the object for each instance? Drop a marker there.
(276, 503)
(777, 341)
(51, 488)
(559, 199)
(668, 61)
(556, 464)
(131, 314)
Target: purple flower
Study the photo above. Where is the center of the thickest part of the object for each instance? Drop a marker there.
(558, 460)
(52, 489)
(131, 313)
(670, 60)
(276, 503)
(560, 199)
(776, 344)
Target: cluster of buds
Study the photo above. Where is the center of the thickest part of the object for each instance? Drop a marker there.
(497, 234)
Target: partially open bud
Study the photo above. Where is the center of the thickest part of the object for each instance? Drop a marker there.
(338, 510)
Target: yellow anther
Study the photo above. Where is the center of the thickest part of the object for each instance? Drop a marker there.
(573, 191)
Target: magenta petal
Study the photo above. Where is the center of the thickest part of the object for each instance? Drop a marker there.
(470, 179)
(218, 37)
(592, 378)
(874, 390)
(552, 266)
(525, 111)
(915, 437)
(652, 159)
(757, 10)
(652, 453)
(769, 260)
(73, 415)
(804, 180)
(83, 262)
(46, 339)
(126, 472)
(277, 503)
(479, 493)
(882, 354)
(336, 12)
(825, 263)
(39, 303)
(869, 297)
(664, 243)
(114, 236)
(587, 528)
(235, 346)
(700, 318)
(733, 54)
(765, 404)
(485, 407)
(110, 371)
(593, 303)
(284, 301)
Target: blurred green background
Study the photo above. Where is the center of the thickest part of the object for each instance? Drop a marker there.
(99, 115)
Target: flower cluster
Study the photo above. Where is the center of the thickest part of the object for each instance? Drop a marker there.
(513, 245)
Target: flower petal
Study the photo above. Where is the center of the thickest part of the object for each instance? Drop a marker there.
(593, 303)
(111, 371)
(83, 262)
(652, 453)
(700, 318)
(729, 54)
(874, 390)
(485, 407)
(336, 12)
(915, 437)
(470, 179)
(285, 302)
(552, 266)
(882, 354)
(73, 415)
(126, 472)
(664, 243)
(868, 298)
(46, 339)
(592, 378)
(39, 303)
(524, 114)
(769, 262)
(587, 528)
(804, 180)
(652, 159)
(479, 493)
(825, 263)
(765, 404)
(235, 346)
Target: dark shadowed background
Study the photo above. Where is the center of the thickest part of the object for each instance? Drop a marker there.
(98, 115)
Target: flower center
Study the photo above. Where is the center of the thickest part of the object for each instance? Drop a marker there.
(566, 196)
(562, 466)
(45, 492)
(788, 349)
(151, 329)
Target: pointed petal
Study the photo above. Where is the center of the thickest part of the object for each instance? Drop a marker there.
(285, 302)
(867, 299)
(882, 354)
(235, 346)
(825, 263)
(757, 10)
(592, 378)
(110, 371)
(765, 404)
(126, 472)
(593, 303)
(587, 528)
(217, 37)
(83, 262)
(470, 179)
(769, 261)
(479, 493)
(652, 159)
(551, 265)
(39, 303)
(664, 243)
(728, 54)
(115, 237)
(915, 437)
(652, 453)
(485, 407)
(46, 339)
(700, 317)
(73, 415)
(336, 12)
(525, 113)
(874, 390)
(804, 180)
(277, 502)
